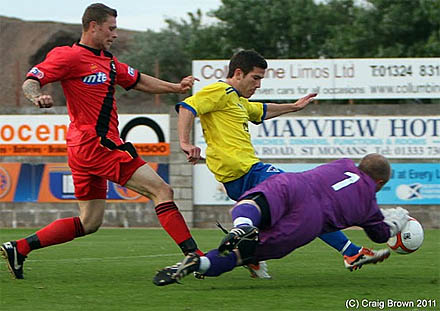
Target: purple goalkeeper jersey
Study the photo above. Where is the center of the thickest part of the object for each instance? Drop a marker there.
(305, 205)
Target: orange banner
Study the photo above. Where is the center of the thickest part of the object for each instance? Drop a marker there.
(151, 149)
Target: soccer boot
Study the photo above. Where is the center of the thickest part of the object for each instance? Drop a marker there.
(365, 256)
(237, 235)
(259, 270)
(190, 264)
(198, 275)
(13, 258)
(173, 274)
(165, 276)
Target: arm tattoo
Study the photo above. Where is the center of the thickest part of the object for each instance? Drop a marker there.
(31, 89)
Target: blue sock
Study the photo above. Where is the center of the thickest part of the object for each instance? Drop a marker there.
(246, 214)
(340, 242)
(220, 264)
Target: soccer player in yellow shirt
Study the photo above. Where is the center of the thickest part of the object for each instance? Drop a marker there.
(224, 111)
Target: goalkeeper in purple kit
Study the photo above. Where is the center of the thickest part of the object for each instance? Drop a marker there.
(289, 210)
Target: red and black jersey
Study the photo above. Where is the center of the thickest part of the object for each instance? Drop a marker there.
(88, 77)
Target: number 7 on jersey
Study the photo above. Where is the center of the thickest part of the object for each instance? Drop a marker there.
(352, 178)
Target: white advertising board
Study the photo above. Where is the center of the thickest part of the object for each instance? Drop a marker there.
(416, 137)
(336, 78)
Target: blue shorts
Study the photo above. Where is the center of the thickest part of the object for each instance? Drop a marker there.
(257, 174)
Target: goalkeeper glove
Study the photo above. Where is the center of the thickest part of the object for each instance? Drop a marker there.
(395, 218)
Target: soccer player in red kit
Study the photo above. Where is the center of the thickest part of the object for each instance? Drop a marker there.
(96, 153)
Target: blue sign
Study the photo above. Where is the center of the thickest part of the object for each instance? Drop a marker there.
(410, 183)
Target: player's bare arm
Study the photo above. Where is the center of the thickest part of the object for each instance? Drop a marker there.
(184, 126)
(275, 110)
(32, 91)
(153, 85)
(187, 83)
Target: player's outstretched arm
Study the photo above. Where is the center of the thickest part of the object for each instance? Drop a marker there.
(32, 91)
(275, 110)
(184, 126)
(153, 85)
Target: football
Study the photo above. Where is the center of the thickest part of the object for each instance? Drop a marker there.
(409, 239)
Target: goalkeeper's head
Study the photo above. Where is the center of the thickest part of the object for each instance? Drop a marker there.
(377, 167)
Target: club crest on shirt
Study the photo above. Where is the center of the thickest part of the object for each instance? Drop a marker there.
(37, 73)
(130, 71)
(93, 67)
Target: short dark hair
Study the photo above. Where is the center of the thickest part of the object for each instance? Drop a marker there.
(97, 12)
(246, 60)
(376, 166)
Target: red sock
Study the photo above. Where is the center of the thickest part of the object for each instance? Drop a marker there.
(57, 232)
(200, 253)
(23, 247)
(173, 222)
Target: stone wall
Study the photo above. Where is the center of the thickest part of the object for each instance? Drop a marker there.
(180, 174)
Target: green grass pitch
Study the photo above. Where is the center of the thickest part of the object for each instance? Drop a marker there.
(113, 270)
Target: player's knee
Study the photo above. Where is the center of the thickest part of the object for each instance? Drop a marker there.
(91, 226)
(165, 192)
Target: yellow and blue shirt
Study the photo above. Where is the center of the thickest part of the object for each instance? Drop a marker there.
(224, 116)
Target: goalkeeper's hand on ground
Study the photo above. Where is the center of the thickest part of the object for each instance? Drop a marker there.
(395, 218)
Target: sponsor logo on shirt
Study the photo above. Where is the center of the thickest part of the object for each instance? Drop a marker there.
(37, 73)
(130, 71)
(96, 78)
